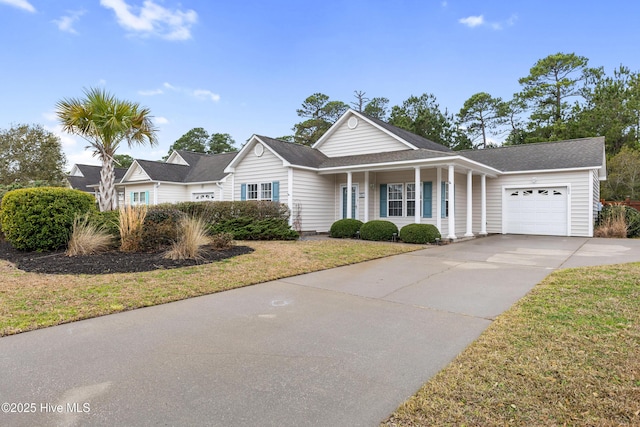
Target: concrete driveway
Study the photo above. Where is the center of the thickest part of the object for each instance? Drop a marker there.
(341, 347)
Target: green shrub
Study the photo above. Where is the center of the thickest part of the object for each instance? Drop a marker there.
(107, 221)
(419, 233)
(247, 228)
(379, 230)
(223, 211)
(38, 219)
(160, 228)
(222, 241)
(345, 228)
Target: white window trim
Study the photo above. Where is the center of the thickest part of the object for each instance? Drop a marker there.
(404, 200)
(259, 190)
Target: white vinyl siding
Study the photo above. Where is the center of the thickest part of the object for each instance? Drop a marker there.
(138, 174)
(364, 139)
(312, 195)
(256, 170)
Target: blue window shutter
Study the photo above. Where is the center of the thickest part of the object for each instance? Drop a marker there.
(426, 199)
(131, 198)
(275, 191)
(443, 208)
(344, 202)
(146, 197)
(243, 192)
(383, 200)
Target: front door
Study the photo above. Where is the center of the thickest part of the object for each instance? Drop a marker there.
(354, 201)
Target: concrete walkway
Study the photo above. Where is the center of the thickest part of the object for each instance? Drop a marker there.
(341, 347)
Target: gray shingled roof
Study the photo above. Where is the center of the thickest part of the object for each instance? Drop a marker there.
(296, 154)
(91, 177)
(202, 167)
(411, 138)
(392, 156)
(574, 153)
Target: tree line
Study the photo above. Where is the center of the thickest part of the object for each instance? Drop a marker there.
(561, 98)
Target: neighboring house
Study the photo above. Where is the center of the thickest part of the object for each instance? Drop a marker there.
(87, 177)
(185, 176)
(367, 169)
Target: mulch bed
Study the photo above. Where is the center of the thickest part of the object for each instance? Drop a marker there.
(56, 262)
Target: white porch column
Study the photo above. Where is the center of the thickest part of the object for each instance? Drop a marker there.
(483, 209)
(349, 191)
(366, 196)
(418, 198)
(290, 195)
(439, 200)
(469, 232)
(452, 204)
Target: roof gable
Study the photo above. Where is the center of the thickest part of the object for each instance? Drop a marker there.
(406, 139)
(83, 177)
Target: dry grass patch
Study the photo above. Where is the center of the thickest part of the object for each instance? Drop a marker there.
(614, 224)
(30, 301)
(130, 222)
(192, 236)
(567, 354)
(87, 238)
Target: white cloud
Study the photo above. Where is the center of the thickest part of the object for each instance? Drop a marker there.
(160, 120)
(65, 23)
(102, 82)
(206, 94)
(153, 19)
(20, 4)
(150, 92)
(472, 21)
(477, 21)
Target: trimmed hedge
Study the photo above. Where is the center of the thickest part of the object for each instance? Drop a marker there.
(247, 228)
(379, 230)
(223, 211)
(345, 228)
(419, 233)
(160, 228)
(39, 219)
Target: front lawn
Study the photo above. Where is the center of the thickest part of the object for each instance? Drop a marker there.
(31, 301)
(568, 354)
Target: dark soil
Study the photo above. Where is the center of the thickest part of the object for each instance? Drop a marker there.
(57, 262)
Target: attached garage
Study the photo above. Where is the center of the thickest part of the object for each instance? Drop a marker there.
(537, 210)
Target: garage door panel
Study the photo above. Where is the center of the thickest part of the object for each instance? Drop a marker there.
(536, 211)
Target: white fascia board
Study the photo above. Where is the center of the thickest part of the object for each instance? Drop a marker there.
(584, 168)
(175, 154)
(243, 151)
(440, 161)
(131, 169)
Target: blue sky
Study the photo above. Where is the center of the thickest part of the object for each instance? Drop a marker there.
(244, 67)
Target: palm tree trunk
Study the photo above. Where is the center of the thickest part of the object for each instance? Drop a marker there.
(108, 197)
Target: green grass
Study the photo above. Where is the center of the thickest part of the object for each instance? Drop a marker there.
(568, 354)
(30, 301)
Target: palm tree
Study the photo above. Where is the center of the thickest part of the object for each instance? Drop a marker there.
(105, 121)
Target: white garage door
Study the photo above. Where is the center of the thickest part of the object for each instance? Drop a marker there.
(536, 211)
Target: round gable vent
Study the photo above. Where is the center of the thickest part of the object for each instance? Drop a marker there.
(352, 123)
(259, 149)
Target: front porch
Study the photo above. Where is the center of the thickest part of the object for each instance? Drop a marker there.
(450, 196)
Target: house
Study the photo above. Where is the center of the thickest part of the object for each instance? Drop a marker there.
(185, 176)
(367, 169)
(87, 177)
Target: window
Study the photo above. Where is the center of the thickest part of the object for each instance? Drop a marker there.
(445, 197)
(139, 198)
(269, 191)
(411, 199)
(252, 191)
(394, 199)
(265, 191)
